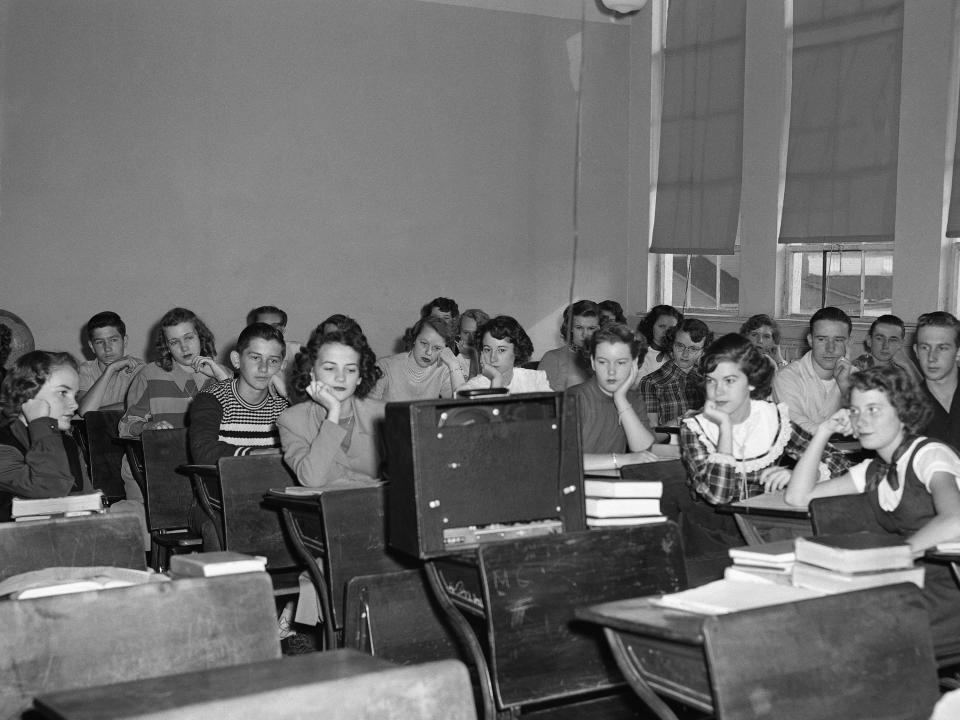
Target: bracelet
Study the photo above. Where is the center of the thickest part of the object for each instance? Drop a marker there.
(616, 466)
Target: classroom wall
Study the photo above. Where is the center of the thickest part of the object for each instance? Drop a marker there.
(357, 156)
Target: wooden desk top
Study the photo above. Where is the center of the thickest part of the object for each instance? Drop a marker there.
(642, 616)
(159, 697)
(769, 504)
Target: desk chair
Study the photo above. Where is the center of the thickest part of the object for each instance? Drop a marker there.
(231, 494)
(167, 496)
(394, 616)
(100, 637)
(97, 436)
(523, 594)
(852, 513)
(338, 535)
(86, 541)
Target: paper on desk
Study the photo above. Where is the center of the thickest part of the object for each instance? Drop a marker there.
(334, 485)
(726, 596)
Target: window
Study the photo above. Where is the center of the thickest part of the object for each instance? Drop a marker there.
(858, 279)
(709, 283)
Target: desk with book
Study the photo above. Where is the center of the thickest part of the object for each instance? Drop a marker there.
(765, 630)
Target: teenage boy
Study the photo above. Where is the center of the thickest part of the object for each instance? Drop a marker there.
(277, 318)
(938, 350)
(104, 381)
(612, 416)
(237, 416)
(813, 386)
(886, 344)
(677, 386)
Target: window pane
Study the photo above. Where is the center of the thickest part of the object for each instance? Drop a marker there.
(878, 283)
(729, 266)
(843, 281)
(811, 282)
(705, 273)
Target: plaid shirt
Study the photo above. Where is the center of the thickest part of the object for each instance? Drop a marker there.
(669, 392)
(720, 478)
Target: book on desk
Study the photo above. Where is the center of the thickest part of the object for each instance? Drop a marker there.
(87, 503)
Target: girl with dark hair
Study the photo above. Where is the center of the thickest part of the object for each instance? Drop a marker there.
(38, 459)
(569, 364)
(503, 346)
(739, 437)
(427, 371)
(655, 327)
(611, 312)
(913, 485)
(332, 434)
(160, 394)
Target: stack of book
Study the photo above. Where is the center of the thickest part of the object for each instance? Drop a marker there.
(23, 509)
(611, 502)
(771, 562)
(837, 563)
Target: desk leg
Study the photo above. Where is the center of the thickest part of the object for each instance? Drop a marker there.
(316, 577)
(466, 635)
(635, 679)
(747, 529)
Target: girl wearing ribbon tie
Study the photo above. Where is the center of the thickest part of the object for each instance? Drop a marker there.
(912, 484)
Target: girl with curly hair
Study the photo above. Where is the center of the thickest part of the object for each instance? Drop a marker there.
(37, 458)
(428, 370)
(739, 437)
(913, 485)
(160, 394)
(503, 346)
(333, 433)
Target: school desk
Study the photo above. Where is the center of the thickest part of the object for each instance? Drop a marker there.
(767, 517)
(512, 603)
(864, 655)
(335, 685)
(343, 530)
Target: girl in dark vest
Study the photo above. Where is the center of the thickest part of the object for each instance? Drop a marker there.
(912, 484)
(38, 458)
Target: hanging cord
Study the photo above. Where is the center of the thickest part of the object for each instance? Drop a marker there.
(577, 164)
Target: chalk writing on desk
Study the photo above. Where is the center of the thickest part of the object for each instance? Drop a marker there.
(460, 591)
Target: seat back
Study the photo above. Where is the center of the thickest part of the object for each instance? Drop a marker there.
(842, 514)
(394, 616)
(247, 526)
(101, 637)
(167, 495)
(104, 452)
(354, 537)
(864, 655)
(90, 540)
(532, 586)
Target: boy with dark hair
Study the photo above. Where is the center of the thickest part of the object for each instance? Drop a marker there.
(104, 381)
(813, 386)
(678, 385)
(237, 416)
(938, 350)
(886, 342)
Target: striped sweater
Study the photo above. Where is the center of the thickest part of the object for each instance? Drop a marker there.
(156, 394)
(222, 423)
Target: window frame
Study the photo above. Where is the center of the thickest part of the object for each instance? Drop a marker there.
(664, 265)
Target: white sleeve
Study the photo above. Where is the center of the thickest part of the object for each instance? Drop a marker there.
(934, 458)
(858, 473)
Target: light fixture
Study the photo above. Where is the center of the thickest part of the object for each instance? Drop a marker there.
(624, 6)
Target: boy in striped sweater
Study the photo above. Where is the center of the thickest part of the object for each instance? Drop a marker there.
(238, 416)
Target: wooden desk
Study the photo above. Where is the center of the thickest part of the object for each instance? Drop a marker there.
(766, 518)
(522, 594)
(865, 655)
(344, 529)
(336, 685)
